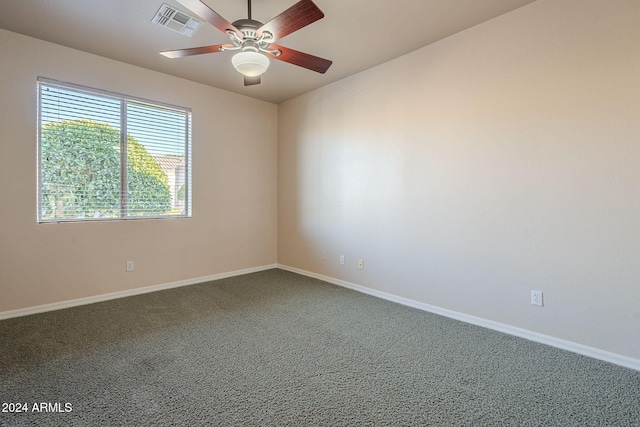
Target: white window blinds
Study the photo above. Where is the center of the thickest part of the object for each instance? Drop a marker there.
(109, 156)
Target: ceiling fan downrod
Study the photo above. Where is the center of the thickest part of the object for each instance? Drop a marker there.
(249, 8)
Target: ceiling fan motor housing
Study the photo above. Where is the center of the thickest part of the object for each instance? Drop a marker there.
(251, 41)
(248, 27)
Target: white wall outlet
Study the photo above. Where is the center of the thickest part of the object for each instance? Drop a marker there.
(361, 264)
(536, 298)
(324, 255)
(129, 265)
(341, 259)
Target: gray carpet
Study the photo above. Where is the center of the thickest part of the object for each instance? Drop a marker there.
(278, 349)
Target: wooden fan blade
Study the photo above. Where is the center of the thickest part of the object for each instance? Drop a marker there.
(250, 81)
(180, 53)
(209, 15)
(297, 16)
(301, 59)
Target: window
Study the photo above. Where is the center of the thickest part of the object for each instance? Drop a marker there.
(105, 156)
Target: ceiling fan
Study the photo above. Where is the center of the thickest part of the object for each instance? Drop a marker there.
(254, 40)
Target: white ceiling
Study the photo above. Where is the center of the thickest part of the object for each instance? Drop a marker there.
(354, 34)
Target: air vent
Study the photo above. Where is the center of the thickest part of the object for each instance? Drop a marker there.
(175, 20)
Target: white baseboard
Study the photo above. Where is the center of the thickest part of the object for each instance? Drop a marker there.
(131, 292)
(584, 350)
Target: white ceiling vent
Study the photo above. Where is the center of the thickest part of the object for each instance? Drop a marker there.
(175, 20)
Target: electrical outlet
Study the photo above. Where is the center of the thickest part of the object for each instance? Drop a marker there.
(361, 264)
(324, 255)
(341, 259)
(536, 298)
(129, 265)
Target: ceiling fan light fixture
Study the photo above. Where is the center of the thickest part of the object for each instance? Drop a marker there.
(249, 63)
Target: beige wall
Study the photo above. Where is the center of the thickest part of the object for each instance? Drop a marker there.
(234, 187)
(503, 159)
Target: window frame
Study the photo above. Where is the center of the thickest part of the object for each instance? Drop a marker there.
(124, 100)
